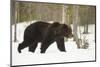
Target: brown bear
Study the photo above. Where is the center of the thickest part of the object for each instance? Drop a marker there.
(46, 33)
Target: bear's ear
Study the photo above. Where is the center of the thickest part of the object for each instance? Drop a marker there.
(65, 26)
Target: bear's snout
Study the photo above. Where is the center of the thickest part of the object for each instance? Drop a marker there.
(70, 36)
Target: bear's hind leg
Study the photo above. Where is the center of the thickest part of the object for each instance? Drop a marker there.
(33, 47)
(23, 45)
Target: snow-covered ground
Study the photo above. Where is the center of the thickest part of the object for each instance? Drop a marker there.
(53, 55)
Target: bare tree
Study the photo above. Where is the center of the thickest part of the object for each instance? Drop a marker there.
(64, 11)
(86, 20)
(39, 11)
(13, 16)
(75, 22)
(64, 17)
(29, 12)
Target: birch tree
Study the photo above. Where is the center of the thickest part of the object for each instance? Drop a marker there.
(64, 17)
(30, 12)
(75, 22)
(64, 11)
(13, 16)
(86, 13)
(39, 11)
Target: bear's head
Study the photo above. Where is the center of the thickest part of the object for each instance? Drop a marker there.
(67, 31)
(62, 30)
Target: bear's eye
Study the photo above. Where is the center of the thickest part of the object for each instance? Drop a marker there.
(64, 27)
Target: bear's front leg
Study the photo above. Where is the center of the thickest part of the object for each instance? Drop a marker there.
(60, 44)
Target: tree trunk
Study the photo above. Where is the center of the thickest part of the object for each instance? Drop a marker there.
(13, 20)
(86, 23)
(39, 11)
(75, 22)
(30, 13)
(64, 17)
